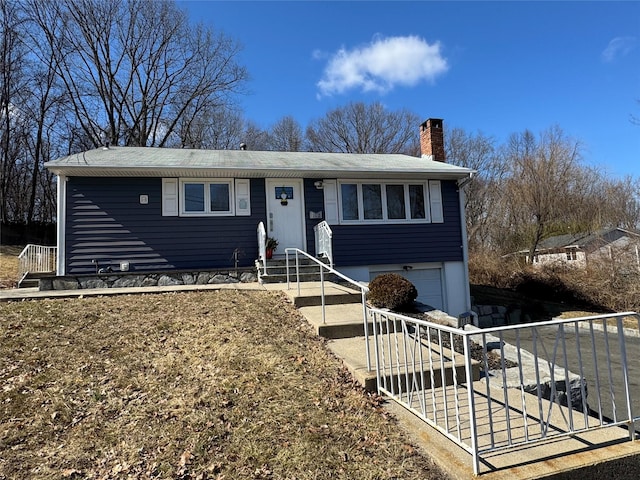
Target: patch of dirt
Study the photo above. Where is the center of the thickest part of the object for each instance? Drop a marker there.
(199, 385)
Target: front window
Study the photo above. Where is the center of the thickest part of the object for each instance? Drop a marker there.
(372, 201)
(194, 197)
(219, 193)
(384, 202)
(349, 201)
(396, 202)
(416, 201)
(207, 197)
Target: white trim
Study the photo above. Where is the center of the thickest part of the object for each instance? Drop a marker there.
(206, 182)
(243, 197)
(271, 183)
(61, 229)
(331, 206)
(435, 201)
(170, 197)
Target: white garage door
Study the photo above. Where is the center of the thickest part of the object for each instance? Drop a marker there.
(428, 282)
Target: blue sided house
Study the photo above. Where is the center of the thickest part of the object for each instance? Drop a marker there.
(161, 209)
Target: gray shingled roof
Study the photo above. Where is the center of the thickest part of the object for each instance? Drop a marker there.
(579, 240)
(160, 162)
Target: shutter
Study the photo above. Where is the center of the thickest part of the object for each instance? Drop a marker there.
(169, 197)
(435, 201)
(243, 197)
(330, 190)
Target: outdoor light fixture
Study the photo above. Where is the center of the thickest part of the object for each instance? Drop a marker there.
(318, 184)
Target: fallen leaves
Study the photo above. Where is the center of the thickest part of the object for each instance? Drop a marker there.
(200, 385)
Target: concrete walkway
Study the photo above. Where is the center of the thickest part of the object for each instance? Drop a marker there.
(598, 454)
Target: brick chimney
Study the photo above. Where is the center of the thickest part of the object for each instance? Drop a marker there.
(432, 139)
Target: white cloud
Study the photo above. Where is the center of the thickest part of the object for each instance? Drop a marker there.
(382, 65)
(618, 47)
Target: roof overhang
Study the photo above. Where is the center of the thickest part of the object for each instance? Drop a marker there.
(157, 162)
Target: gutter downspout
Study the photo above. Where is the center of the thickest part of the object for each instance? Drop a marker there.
(465, 242)
(61, 225)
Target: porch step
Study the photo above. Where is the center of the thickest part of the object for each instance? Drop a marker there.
(445, 364)
(343, 326)
(310, 294)
(276, 270)
(32, 280)
(342, 320)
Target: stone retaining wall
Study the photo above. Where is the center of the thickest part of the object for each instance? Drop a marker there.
(150, 279)
(498, 315)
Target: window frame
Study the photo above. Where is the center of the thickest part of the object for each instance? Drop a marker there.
(384, 200)
(207, 182)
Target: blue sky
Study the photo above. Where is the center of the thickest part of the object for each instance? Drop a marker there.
(491, 67)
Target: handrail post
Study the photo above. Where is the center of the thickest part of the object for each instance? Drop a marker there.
(286, 266)
(324, 315)
(366, 328)
(625, 376)
(472, 405)
(298, 272)
(262, 251)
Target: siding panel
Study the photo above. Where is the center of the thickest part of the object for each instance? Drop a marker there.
(106, 222)
(314, 202)
(403, 243)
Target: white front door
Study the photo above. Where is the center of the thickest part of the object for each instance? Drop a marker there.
(285, 213)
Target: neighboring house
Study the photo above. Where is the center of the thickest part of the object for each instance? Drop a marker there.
(580, 249)
(164, 209)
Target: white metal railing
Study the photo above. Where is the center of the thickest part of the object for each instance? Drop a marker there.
(324, 242)
(540, 396)
(330, 270)
(262, 246)
(36, 259)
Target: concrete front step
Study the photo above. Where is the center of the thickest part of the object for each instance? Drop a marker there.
(303, 270)
(276, 270)
(309, 293)
(32, 280)
(282, 277)
(342, 320)
(437, 363)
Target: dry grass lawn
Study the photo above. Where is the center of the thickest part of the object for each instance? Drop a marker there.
(206, 385)
(9, 265)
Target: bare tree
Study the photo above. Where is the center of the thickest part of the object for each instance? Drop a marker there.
(218, 128)
(136, 70)
(286, 135)
(13, 83)
(361, 128)
(542, 185)
(620, 202)
(484, 192)
(256, 138)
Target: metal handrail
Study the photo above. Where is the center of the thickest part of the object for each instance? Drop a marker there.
(36, 259)
(363, 289)
(262, 246)
(324, 242)
(448, 394)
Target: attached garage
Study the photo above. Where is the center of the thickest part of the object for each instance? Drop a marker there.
(428, 282)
